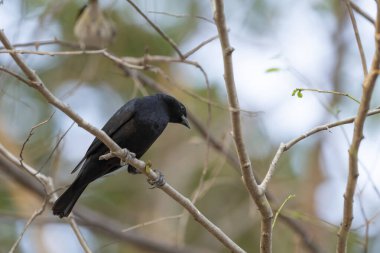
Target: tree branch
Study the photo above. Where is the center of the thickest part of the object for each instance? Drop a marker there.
(357, 37)
(291, 143)
(245, 164)
(353, 172)
(155, 27)
(362, 13)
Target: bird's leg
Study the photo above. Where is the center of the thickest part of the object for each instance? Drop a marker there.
(159, 181)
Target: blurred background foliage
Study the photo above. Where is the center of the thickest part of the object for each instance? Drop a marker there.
(95, 87)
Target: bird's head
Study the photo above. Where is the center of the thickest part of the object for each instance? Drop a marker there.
(177, 111)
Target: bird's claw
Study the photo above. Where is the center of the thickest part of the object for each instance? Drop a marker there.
(128, 157)
(158, 182)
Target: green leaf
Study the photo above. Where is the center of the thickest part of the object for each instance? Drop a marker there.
(270, 70)
(299, 94)
(294, 92)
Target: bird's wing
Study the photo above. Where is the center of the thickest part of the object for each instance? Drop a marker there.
(119, 119)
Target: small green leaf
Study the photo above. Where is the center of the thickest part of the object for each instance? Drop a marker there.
(294, 92)
(270, 70)
(299, 94)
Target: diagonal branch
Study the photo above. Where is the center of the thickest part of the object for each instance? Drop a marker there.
(357, 37)
(362, 12)
(155, 27)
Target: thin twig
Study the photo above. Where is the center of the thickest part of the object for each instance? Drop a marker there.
(362, 12)
(60, 139)
(51, 53)
(202, 44)
(31, 132)
(142, 61)
(280, 208)
(31, 219)
(298, 90)
(143, 224)
(182, 16)
(79, 235)
(17, 76)
(357, 37)
(67, 53)
(353, 172)
(367, 223)
(272, 168)
(155, 27)
(39, 43)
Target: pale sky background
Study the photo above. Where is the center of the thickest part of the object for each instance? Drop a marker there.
(301, 41)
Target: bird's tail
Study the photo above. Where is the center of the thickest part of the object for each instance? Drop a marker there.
(65, 203)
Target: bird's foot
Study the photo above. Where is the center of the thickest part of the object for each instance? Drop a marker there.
(128, 157)
(157, 182)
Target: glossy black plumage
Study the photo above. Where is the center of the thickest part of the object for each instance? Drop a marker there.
(135, 126)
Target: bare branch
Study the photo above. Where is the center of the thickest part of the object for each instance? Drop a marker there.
(56, 146)
(155, 27)
(245, 164)
(362, 12)
(353, 172)
(31, 132)
(67, 53)
(202, 44)
(357, 37)
(280, 208)
(272, 168)
(17, 76)
(291, 143)
(38, 43)
(152, 222)
(31, 219)
(78, 234)
(182, 16)
(299, 90)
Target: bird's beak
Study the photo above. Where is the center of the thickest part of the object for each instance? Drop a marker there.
(185, 121)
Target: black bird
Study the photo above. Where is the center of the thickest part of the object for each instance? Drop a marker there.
(135, 126)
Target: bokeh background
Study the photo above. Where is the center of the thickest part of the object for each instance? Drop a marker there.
(279, 46)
